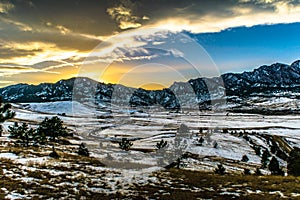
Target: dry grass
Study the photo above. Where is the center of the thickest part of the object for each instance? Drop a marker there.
(192, 185)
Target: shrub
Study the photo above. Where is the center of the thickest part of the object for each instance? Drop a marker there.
(258, 172)
(220, 169)
(183, 129)
(83, 150)
(225, 130)
(161, 144)
(247, 172)
(125, 144)
(54, 154)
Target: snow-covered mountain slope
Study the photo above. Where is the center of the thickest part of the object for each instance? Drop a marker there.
(265, 81)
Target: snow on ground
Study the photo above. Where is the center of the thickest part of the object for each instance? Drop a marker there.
(102, 130)
(22, 160)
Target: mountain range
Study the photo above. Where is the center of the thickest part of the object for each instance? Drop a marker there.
(266, 81)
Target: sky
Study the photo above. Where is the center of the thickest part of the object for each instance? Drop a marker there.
(145, 43)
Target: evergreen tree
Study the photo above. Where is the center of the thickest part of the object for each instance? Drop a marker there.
(14, 130)
(293, 164)
(201, 130)
(83, 150)
(27, 134)
(257, 150)
(274, 167)
(245, 158)
(265, 158)
(215, 144)
(5, 113)
(24, 135)
(52, 128)
(258, 172)
(201, 140)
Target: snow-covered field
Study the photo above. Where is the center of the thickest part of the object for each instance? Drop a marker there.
(226, 140)
(103, 129)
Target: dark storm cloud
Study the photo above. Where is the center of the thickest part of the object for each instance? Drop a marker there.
(83, 24)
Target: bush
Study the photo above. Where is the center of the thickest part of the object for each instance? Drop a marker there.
(183, 129)
(161, 144)
(83, 150)
(225, 130)
(125, 144)
(258, 172)
(54, 154)
(220, 169)
(247, 172)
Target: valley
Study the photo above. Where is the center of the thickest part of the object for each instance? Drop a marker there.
(111, 172)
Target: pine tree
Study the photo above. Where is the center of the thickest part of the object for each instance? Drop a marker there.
(257, 150)
(52, 128)
(24, 135)
(293, 164)
(258, 172)
(201, 140)
(215, 145)
(5, 113)
(265, 158)
(245, 158)
(274, 167)
(225, 130)
(14, 130)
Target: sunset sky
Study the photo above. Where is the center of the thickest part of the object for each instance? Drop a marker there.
(145, 43)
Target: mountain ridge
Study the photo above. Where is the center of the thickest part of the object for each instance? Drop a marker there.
(267, 80)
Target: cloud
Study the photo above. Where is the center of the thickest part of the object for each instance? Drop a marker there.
(5, 7)
(240, 13)
(21, 26)
(34, 33)
(123, 14)
(124, 17)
